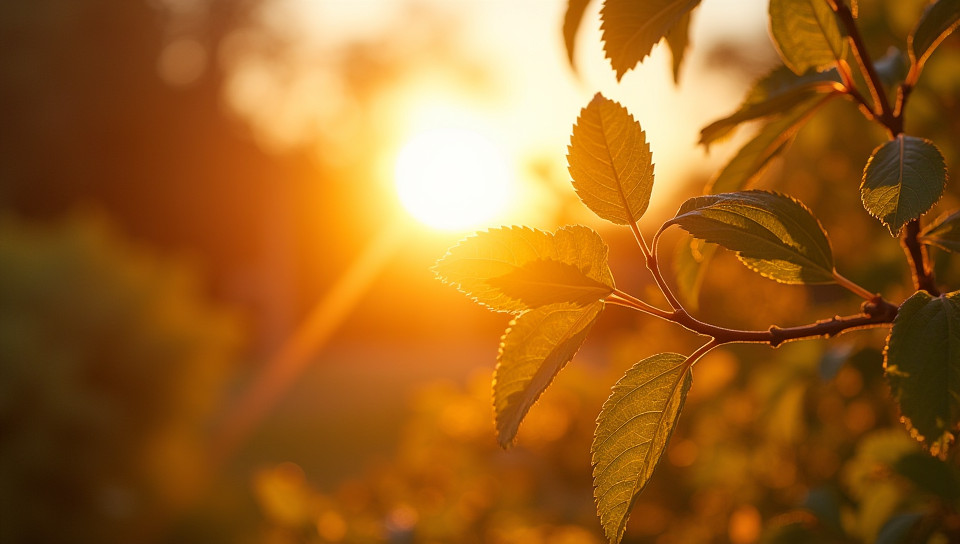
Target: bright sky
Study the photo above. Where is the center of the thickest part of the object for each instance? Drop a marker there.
(542, 96)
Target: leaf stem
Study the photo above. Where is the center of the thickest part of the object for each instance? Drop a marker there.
(701, 351)
(650, 254)
(853, 287)
(624, 299)
(850, 89)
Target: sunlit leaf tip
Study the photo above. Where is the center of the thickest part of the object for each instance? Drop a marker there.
(633, 429)
(902, 180)
(536, 346)
(922, 365)
(775, 94)
(610, 162)
(939, 19)
(631, 29)
(512, 269)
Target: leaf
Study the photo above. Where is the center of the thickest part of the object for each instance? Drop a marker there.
(772, 140)
(898, 528)
(892, 67)
(532, 351)
(690, 264)
(631, 28)
(930, 475)
(944, 232)
(633, 429)
(807, 34)
(772, 234)
(472, 264)
(937, 22)
(678, 39)
(610, 162)
(775, 93)
(571, 24)
(902, 180)
(543, 281)
(922, 364)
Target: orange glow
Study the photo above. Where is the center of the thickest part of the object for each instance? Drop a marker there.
(453, 178)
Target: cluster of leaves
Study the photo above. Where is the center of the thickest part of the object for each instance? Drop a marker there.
(557, 284)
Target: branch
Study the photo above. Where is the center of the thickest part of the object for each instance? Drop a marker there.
(881, 109)
(874, 313)
(919, 260)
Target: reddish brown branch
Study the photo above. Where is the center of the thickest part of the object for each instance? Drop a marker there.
(919, 260)
(881, 110)
(875, 313)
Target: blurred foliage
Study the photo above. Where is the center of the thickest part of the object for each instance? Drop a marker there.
(112, 360)
(794, 445)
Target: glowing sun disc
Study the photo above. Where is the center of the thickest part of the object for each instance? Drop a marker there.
(452, 178)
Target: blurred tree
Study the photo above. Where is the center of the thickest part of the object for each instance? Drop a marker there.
(111, 362)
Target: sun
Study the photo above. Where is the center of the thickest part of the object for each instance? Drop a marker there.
(453, 178)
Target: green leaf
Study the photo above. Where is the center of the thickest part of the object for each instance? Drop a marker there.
(903, 179)
(631, 28)
(571, 24)
(678, 39)
(772, 234)
(532, 351)
(545, 281)
(937, 22)
(477, 263)
(778, 91)
(610, 162)
(772, 140)
(922, 363)
(944, 232)
(633, 429)
(807, 34)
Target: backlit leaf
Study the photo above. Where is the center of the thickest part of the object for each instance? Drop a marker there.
(542, 282)
(922, 363)
(476, 261)
(772, 140)
(772, 234)
(572, 20)
(944, 232)
(937, 22)
(807, 34)
(903, 179)
(610, 162)
(775, 93)
(633, 429)
(678, 38)
(532, 351)
(690, 265)
(631, 28)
